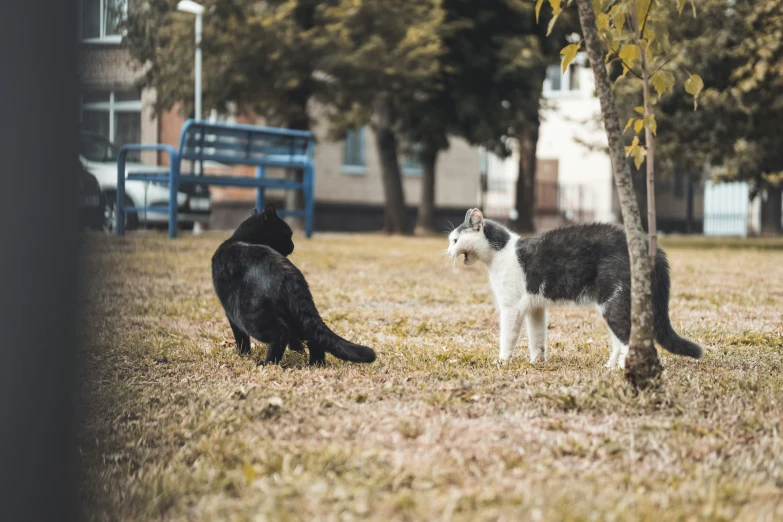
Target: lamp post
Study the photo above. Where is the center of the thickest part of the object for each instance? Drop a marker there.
(188, 6)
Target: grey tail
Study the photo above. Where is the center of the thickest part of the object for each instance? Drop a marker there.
(662, 327)
(339, 347)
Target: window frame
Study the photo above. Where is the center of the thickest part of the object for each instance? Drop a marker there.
(565, 79)
(355, 168)
(112, 107)
(102, 38)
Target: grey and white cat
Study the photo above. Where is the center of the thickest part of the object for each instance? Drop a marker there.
(583, 264)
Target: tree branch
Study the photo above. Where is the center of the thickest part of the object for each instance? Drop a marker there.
(644, 23)
(630, 69)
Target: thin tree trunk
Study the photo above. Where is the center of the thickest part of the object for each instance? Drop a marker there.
(395, 221)
(294, 199)
(526, 180)
(642, 367)
(771, 211)
(425, 223)
(652, 225)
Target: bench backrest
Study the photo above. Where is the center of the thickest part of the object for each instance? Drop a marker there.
(245, 144)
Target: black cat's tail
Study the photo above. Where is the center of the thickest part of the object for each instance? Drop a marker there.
(664, 333)
(330, 342)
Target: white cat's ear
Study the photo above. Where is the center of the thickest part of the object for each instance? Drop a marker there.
(467, 216)
(476, 220)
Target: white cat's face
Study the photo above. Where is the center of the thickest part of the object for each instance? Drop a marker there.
(469, 240)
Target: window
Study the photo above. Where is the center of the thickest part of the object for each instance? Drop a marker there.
(411, 164)
(114, 115)
(354, 156)
(100, 20)
(562, 83)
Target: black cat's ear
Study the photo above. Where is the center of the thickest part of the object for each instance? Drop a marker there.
(476, 220)
(254, 212)
(269, 210)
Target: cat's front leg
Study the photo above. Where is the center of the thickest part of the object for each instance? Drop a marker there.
(510, 330)
(536, 334)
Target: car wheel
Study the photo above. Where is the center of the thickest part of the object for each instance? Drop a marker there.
(110, 215)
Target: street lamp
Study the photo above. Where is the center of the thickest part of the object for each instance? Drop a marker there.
(188, 6)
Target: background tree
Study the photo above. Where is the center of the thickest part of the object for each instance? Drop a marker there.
(384, 57)
(490, 73)
(491, 77)
(635, 33)
(736, 136)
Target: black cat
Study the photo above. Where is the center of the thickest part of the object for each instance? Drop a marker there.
(266, 297)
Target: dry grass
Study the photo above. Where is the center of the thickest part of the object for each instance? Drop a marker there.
(179, 427)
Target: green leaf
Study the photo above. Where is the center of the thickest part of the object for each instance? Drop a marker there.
(602, 21)
(539, 3)
(632, 146)
(569, 53)
(662, 81)
(693, 86)
(639, 154)
(650, 123)
(641, 9)
(630, 122)
(639, 125)
(551, 25)
(639, 109)
(618, 17)
(629, 53)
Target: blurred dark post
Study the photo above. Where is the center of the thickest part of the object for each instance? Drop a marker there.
(38, 264)
(689, 209)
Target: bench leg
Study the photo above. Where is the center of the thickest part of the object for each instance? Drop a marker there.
(173, 189)
(119, 209)
(309, 197)
(260, 174)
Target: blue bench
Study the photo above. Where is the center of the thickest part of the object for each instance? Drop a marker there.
(227, 144)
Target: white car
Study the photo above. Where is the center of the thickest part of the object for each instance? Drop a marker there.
(99, 157)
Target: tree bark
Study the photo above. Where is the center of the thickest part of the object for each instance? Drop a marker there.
(425, 223)
(395, 221)
(642, 367)
(526, 180)
(294, 199)
(771, 210)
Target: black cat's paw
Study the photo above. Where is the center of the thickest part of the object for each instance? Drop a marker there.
(318, 362)
(267, 363)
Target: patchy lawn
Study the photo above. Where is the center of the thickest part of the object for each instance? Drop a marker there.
(177, 426)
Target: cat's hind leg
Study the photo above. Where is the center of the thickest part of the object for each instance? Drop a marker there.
(275, 348)
(317, 354)
(241, 338)
(617, 348)
(617, 314)
(536, 334)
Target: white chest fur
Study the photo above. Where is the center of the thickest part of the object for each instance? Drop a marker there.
(507, 277)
